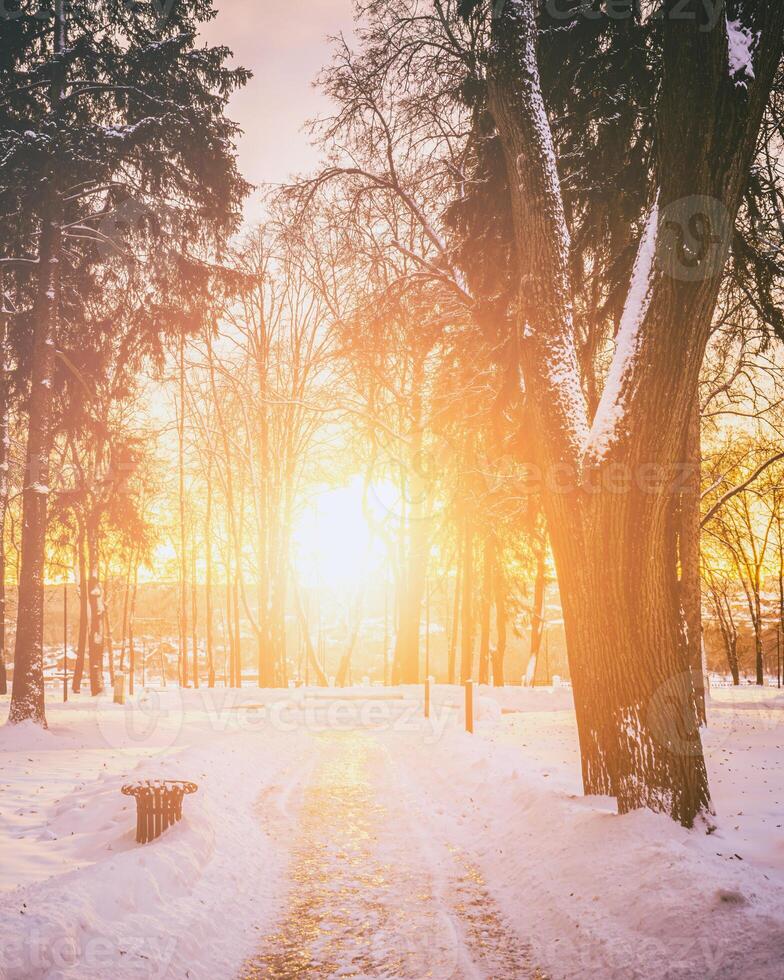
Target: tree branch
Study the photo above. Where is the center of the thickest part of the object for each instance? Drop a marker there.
(734, 491)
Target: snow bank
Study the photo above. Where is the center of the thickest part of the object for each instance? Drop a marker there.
(594, 894)
(89, 902)
(627, 897)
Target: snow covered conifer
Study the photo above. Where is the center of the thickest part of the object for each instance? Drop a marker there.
(113, 116)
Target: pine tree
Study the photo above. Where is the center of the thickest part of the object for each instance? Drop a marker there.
(115, 144)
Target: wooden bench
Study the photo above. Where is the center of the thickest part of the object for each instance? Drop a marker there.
(158, 805)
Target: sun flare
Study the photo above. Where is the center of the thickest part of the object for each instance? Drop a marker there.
(336, 544)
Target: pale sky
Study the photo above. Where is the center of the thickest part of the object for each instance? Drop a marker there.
(284, 43)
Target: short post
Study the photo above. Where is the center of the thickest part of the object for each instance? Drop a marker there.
(469, 706)
(119, 688)
(428, 681)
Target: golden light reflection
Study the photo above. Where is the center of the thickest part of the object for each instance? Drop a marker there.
(369, 901)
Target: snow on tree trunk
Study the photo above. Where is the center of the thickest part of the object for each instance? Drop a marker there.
(616, 549)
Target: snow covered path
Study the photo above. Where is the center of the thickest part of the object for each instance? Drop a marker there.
(373, 892)
(340, 834)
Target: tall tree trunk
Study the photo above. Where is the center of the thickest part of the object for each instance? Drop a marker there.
(414, 527)
(95, 601)
(270, 656)
(228, 639)
(780, 626)
(501, 615)
(233, 546)
(265, 651)
(486, 609)
(237, 634)
(107, 634)
(452, 657)
(344, 668)
(537, 614)
(729, 634)
(656, 759)
(467, 604)
(759, 649)
(183, 615)
(312, 656)
(616, 554)
(689, 555)
(732, 658)
(194, 615)
(208, 626)
(84, 607)
(413, 591)
(275, 666)
(5, 462)
(126, 599)
(27, 696)
(386, 632)
(131, 627)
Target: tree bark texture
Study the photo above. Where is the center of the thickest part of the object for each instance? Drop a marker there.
(616, 552)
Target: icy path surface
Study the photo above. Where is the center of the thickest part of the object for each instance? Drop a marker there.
(373, 893)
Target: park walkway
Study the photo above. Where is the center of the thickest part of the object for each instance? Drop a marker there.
(371, 893)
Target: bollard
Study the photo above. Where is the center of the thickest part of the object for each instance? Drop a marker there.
(469, 706)
(119, 689)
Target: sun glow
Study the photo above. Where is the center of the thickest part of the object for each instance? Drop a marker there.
(335, 544)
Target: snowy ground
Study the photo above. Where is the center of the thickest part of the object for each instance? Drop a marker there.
(339, 834)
